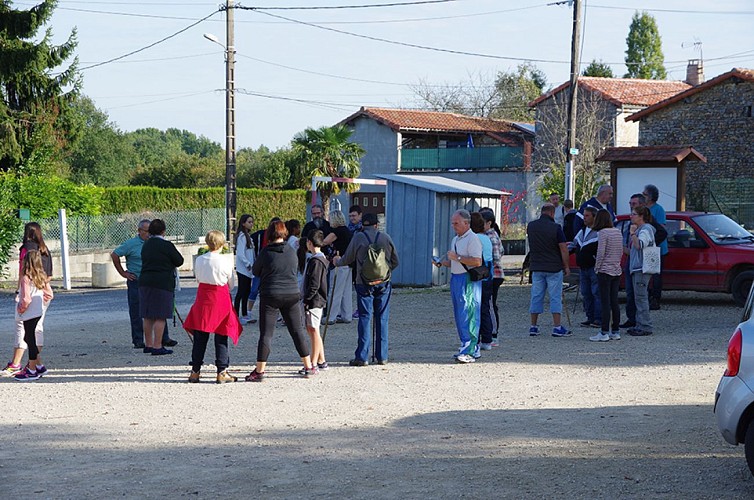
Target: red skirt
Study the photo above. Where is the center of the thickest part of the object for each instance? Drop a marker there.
(213, 312)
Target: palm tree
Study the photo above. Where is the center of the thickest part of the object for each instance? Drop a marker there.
(326, 152)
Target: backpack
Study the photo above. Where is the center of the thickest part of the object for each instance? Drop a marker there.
(375, 270)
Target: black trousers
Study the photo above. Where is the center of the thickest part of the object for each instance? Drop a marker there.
(222, 358)
(496, 282)
(608, 286)
(30, 338)
(242, 294)
(290, 308)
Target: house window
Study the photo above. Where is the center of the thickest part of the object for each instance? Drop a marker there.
(374, 201)
(383, 206)
(747, 111)
(365, 201)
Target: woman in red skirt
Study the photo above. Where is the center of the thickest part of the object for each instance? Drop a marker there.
(213, 311)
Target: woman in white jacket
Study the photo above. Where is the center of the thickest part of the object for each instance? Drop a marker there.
(244, 261)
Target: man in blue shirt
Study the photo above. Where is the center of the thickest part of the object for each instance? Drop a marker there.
(131, 250)
(652, 194)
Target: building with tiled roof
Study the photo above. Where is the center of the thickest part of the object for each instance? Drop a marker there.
(717, 119)
(603, 104)
(484, 151)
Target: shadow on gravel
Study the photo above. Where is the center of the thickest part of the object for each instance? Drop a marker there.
(546, 453)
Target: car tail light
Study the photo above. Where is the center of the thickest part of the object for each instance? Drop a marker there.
(734, 354)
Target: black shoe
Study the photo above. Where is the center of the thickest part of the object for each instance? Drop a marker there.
(358, 362)
(596, 324)
(654, 305)
(169, 343)
(147, 350)
(381, 361)
(161, 351)
(586, 323)
(139, 345)
(627, 324)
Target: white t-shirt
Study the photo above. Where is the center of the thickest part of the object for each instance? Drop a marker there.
(213, 269)
(466, 245)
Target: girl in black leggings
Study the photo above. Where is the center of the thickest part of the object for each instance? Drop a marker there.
(276, 268)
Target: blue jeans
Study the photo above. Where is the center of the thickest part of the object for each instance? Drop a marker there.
(590, 290)
(552, 283)
(137, 324)
(373, 301)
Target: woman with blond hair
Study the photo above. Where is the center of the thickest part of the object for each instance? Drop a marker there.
(212, 311)
(341, 280)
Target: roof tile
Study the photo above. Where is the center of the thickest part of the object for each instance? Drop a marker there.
(622, 91)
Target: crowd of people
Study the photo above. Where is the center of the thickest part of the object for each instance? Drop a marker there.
(305, 278)
(600, 248)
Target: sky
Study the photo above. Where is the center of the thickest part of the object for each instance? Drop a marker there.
(291, 76)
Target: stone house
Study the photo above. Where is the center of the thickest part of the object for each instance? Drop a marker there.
(487, 152)
(603, 105)
(716, 118)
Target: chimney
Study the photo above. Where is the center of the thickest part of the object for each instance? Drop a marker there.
(695, 72)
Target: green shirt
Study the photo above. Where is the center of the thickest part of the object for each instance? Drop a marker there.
(131, 250)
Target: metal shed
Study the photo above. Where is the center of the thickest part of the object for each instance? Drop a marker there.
(418, 212)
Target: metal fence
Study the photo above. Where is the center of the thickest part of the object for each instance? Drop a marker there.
(462, 158)
(105, 232)
(734, 198)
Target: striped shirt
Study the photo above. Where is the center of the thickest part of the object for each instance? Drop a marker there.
(609, 251)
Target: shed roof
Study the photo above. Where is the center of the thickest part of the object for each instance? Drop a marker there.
(622, 91)
(741, 73)
(675, 153)
(407, 120)
(439, 184)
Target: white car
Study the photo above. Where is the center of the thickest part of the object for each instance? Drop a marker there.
(734, 398)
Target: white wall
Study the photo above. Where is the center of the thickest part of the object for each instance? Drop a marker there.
(632, 180)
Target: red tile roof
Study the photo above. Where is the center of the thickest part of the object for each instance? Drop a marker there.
(742, 73)
(677, 153)
(622, 91)
(431, 121)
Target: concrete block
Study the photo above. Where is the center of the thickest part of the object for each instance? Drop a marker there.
(105, 276)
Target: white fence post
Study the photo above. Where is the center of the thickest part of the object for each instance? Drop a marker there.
(64, 249)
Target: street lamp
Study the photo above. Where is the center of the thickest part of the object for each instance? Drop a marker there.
(230, 121)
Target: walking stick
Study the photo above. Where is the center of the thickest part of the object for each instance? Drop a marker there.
(191, 337)
(329, 305)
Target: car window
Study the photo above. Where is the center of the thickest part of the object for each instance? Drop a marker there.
(723, 230)
(749, 305)
(681, 234)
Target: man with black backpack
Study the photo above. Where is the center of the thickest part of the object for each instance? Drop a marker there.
(375, 256)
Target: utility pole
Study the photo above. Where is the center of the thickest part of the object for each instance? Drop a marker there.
(571, 151)
(230, 124)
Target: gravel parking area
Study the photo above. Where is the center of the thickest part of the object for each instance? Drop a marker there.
(534, 418)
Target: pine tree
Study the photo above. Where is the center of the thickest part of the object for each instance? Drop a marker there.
(644, 57)
(598, 68)
(36, 93)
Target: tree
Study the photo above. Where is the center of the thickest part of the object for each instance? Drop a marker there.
(34, 101)
(264, 169)
(326, 152)
(507, 96)
(644, 57)
(181, 170)
(102, 156)
(599, 69)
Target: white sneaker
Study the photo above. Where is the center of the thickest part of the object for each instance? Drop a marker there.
(485, 347)
(600, 337)
(243, 319)
(614, 335)
(465, 359)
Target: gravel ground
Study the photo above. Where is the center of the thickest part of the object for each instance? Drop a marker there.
(537, 417)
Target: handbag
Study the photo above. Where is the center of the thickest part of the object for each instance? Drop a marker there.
(478, 273)
(651, 260)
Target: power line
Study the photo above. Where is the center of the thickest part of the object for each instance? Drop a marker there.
(151, 44)
(405, 44)
(141, 103)
(365, 6)
(678, 11)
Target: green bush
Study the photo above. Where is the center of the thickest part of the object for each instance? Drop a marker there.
(262, 204)
(44, 195)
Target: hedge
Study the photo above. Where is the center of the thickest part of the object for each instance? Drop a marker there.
(44, 195)
(261, 204)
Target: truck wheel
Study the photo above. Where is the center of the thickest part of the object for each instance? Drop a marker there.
(741, 286)
(749, 445)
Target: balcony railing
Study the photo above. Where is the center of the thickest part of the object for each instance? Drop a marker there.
(462, 158)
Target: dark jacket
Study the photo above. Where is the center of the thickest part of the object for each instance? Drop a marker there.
(277, 268)
(357, 250)
(311, 226)
(315, 283)
(159, 258)
(578, 221)
(545, 236)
